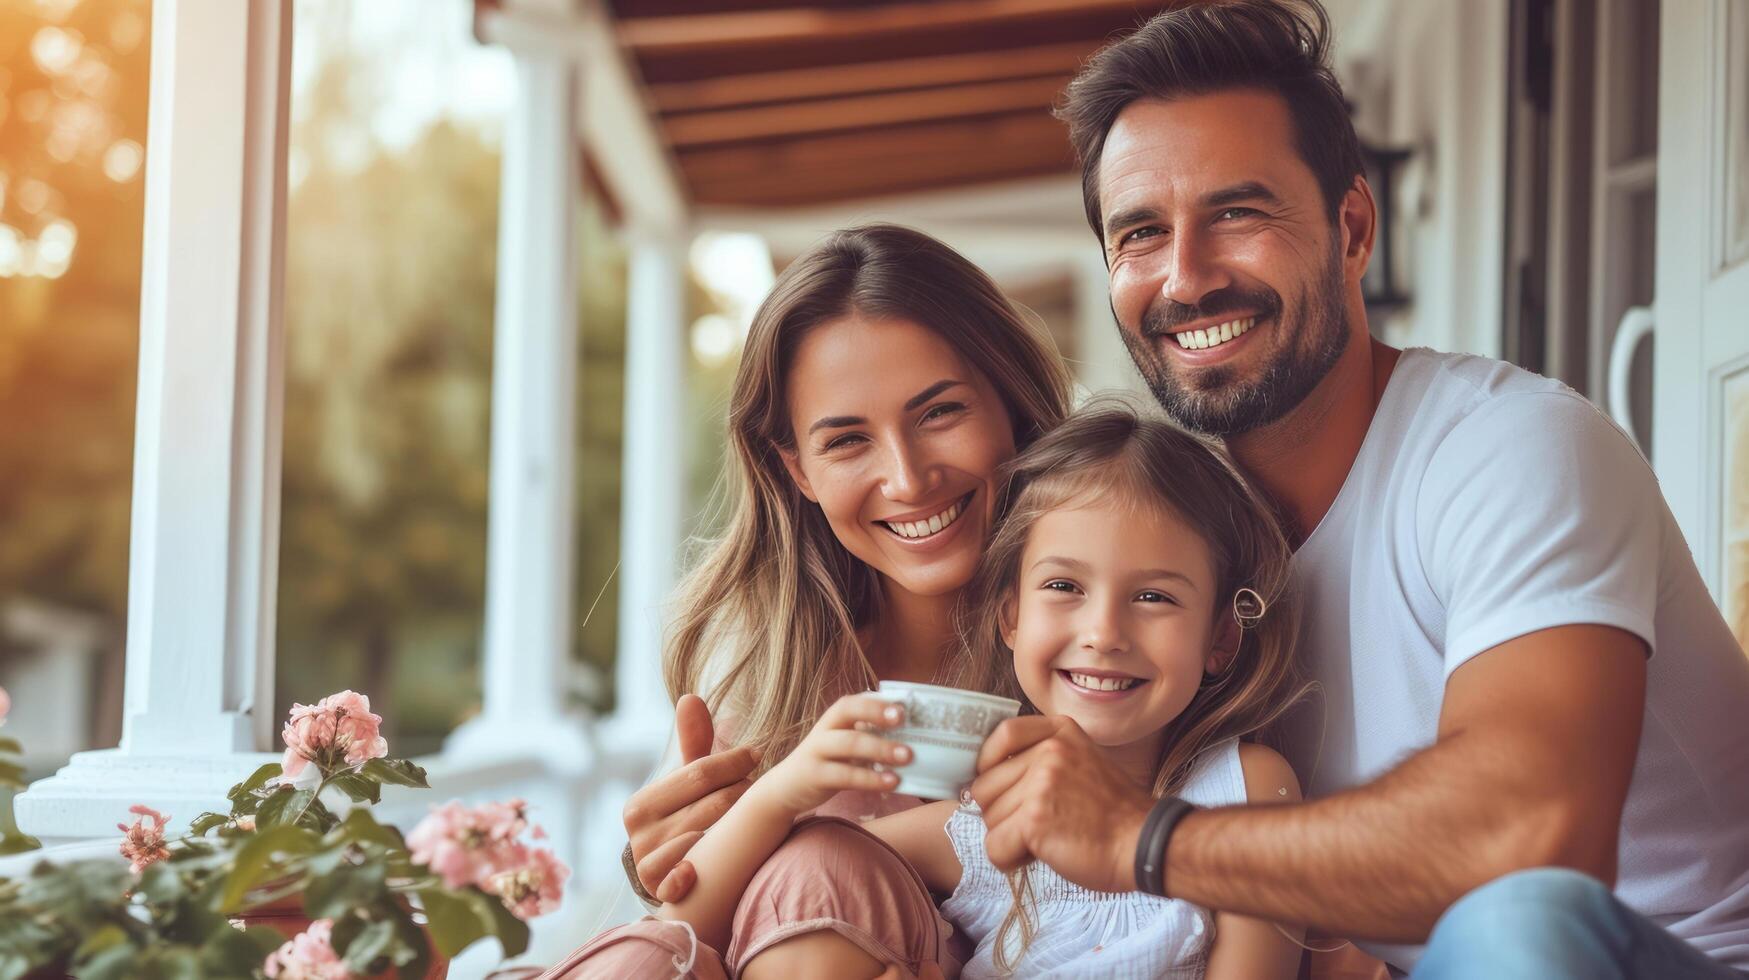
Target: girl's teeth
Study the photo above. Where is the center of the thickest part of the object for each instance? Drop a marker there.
(1102, 683)
(1214, 336)
(923, 529)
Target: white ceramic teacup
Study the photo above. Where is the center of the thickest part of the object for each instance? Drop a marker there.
(945, 727)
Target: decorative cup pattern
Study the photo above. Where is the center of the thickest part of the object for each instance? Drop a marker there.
(971, 720)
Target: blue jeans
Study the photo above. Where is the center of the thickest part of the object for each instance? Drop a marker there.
(1550, 923)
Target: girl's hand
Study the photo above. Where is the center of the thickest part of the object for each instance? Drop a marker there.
(837, 755)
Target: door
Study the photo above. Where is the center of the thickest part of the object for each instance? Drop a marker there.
(1701, 310)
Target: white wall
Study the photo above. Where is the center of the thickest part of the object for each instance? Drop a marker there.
(1432, 76)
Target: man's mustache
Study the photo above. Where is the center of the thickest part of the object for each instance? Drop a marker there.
(1166, 317)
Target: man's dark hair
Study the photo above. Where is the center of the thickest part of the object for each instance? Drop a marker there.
(1201, 48)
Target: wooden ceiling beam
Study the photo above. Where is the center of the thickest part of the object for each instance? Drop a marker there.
(699, 33)
(875, 149)
(862, 112)
(913, 175)
(732, 91)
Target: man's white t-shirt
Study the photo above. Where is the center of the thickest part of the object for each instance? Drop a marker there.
(1487, 503)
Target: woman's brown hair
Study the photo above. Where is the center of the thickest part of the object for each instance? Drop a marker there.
(1110, 451)
(777, 586)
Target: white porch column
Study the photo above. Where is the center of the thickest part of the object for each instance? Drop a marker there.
(652, 485)
(1101, 361)
(531, 519)
(205, 532)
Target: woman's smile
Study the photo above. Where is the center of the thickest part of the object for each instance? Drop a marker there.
(927, 527)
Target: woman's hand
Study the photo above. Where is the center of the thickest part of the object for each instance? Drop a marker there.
(839, 754)
(664, 819)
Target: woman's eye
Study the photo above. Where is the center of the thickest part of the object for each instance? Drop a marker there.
(943, 410)
(848, 439)
(1058, 585)
(1153, 596)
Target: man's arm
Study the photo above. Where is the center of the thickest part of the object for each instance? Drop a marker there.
(1536, 747)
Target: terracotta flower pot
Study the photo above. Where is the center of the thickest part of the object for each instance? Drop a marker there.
(286, 916)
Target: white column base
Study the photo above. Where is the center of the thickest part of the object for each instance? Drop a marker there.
(92, 793)
(565, 745)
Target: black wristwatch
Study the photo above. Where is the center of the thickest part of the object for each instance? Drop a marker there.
(1151, 845)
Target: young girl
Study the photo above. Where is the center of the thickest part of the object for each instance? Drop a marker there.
(1136, 586)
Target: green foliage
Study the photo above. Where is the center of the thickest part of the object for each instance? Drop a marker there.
(95, 919)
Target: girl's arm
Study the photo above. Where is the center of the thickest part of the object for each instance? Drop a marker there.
(835, 756)
(920, 835)
(1245, 947)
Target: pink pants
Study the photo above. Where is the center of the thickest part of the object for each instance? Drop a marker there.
(830, 874)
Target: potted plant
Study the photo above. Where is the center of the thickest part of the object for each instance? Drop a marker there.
(282, 886)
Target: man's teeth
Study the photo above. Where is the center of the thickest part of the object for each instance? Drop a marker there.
(1214, 336)
(1103, 683)
(923, 529)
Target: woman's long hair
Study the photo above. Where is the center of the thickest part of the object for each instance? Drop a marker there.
(766, 622)
(1109, 451)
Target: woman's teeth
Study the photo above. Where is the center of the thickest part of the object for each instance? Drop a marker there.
(1214, 336)
(1092, 683)
(923, 529)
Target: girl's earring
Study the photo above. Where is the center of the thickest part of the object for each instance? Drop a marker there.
(1249, 608)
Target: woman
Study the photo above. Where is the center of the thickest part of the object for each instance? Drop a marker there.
(883, 382)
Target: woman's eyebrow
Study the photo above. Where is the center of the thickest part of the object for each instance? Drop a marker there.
(930, 392)
(843, 421)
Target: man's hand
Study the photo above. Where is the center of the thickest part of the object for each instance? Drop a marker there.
(1049, 794)
(664, 819)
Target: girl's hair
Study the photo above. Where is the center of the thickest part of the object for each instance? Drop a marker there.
(1111, 452)
(777, 585)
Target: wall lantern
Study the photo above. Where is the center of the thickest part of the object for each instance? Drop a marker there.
(1379, 287)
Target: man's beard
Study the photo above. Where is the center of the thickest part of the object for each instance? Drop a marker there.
(1216, 400)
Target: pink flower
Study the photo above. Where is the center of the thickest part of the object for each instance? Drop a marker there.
(144, 844)
(534, 888)
(336, 732)
(466, 845)
(309, 955)
(5, 705)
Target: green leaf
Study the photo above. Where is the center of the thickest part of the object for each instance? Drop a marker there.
(361, 827)
(358, 786)
(11, 774)
(455, 923)
(116, 962)
(511, 931)
(101, 939)
(397, 772)
(347, 887)
(256, 859)
(232, 952)
(200, 825)
(283, 807)
(256, 780)
(10, 744)
(373, 943)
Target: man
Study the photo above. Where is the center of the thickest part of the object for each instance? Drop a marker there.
(1527, 695)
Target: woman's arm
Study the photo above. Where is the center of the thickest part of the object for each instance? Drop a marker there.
(835, 756)
(665, 818)
(1245, 947)
(920, 835)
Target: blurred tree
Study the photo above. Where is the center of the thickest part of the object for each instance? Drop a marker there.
(390, 288)
(72, 132)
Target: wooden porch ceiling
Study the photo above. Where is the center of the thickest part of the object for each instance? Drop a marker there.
(777, 103)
